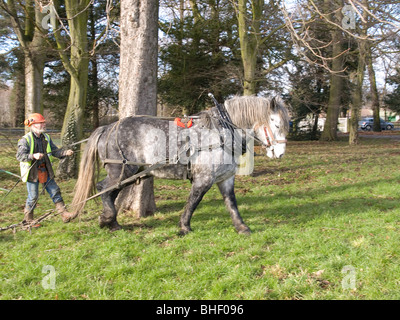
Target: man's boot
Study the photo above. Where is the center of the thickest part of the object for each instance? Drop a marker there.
(65, 215)
(28, 215)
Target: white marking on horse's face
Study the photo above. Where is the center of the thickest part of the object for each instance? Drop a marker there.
(277, 149)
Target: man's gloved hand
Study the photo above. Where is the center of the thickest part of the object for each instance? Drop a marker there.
(69, 152)
(38, 156)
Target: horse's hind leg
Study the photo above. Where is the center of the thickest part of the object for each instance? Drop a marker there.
(199, 189)
(109, 216)
(227, 190)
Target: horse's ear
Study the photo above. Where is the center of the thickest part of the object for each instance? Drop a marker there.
(274, 104)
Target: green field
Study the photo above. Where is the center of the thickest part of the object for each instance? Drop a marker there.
(324, 221)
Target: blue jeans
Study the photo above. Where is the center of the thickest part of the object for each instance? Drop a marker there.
(33, 193)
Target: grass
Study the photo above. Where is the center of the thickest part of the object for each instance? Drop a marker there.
(320, 209)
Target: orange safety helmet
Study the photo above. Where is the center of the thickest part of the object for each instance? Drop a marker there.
(34, 118)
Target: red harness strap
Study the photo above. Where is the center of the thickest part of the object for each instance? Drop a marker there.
(179, 123)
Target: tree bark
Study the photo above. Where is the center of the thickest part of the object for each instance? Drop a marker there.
(358, 79)
(77, 66)
(356, 99)
(94, 82)
(138, 86)
(336, 82)
(18, 97)
(249, 36)
(34, 68)
(138, 60)
(72, 129)
(374, 90)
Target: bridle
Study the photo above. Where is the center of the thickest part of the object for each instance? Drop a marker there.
(270, 137)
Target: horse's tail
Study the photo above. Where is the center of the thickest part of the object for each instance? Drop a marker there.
(88, 172)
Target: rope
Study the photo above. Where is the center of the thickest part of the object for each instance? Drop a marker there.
(29, 225)
(10, 173)
(20, 179)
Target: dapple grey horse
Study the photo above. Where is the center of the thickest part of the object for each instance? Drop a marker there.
(206, 153)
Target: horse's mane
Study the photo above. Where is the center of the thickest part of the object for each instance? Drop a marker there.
(245, 111)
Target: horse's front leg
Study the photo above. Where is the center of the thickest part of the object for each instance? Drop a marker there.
(227, 190)
(197, 192)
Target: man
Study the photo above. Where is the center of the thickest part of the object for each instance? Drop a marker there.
(35, 153)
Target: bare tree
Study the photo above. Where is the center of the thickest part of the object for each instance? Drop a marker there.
(342, 20)
(26, 19)
(259, 22)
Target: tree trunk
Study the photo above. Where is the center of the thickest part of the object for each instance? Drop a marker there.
(374, 90)
(72, 130)
(77, 66)
(315, 125)
(249, 36)
(138, 86)
(138, 60)
(34, 59)
(336, 83)
(94, 82)
(356, 99)
(18, 97)
(34, 67)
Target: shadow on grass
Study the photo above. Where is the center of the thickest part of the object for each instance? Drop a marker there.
(264, 210)
(261, 210)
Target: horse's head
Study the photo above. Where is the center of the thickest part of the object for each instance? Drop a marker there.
(269, 118)
(273, 132)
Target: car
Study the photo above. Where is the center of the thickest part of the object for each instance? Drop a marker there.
(368, 123)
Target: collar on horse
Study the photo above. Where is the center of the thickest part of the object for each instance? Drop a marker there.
(226, 122)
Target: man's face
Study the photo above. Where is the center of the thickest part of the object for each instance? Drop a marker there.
(39, 128)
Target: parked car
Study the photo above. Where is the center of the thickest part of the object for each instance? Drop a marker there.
(368, 124)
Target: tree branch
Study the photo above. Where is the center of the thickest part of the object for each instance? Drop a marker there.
(9, 8)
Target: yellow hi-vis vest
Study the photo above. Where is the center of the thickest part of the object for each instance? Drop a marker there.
(26, 166)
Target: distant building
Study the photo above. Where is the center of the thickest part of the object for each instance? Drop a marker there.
(384, 113)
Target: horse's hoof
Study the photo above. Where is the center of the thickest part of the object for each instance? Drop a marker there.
(111, 225)
(115, 226)
(102, 224)
(244, 230)
(184, 232)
